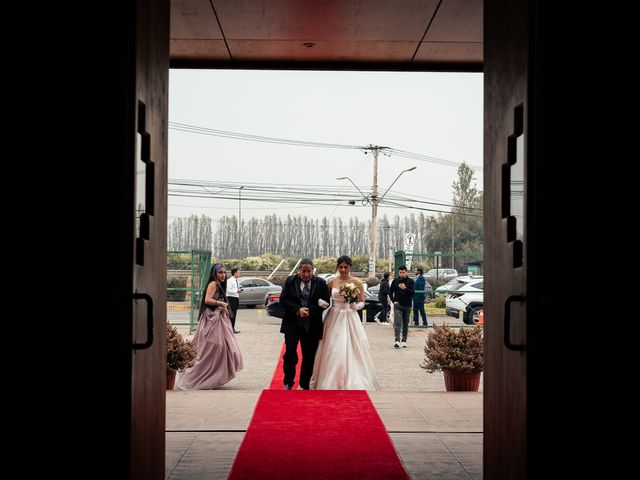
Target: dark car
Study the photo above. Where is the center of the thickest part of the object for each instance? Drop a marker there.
(274, 309)
(373, 292)
(373, 306)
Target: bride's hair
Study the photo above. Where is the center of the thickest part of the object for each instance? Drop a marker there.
(344, 259)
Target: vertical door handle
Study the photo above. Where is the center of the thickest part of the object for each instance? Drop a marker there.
(149, 300)
(507, 322)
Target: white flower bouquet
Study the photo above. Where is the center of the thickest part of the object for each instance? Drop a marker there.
(349, 292)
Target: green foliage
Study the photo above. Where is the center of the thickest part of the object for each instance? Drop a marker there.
(441, 302)
(176, 295)
(464, 193)
(449, 349)
(360, 263)
(325, 264)
(178, 261)
(265, 262)
(180, 352)
(382, 265)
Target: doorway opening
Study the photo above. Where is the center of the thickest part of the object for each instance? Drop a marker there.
(269, 166)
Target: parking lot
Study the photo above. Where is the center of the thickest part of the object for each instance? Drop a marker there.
(397, 369)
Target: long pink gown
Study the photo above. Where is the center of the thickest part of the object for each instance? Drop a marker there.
(219, 357)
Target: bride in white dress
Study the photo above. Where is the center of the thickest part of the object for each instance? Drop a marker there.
(343, 359)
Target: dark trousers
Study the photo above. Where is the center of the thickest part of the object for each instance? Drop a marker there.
(418, 307)
(309, 345)
(385, 309)
(401, 322)
(234, 303)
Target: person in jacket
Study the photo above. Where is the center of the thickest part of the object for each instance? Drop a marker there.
(419, 298)
(383, 296)
(401, 293)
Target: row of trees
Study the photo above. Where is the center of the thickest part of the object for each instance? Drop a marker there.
(460, 231)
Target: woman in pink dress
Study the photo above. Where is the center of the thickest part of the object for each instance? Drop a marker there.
(219, 356)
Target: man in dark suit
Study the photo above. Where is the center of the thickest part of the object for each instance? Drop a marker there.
(302, 321)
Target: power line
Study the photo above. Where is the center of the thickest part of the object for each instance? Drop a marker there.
(184, 127)
(307, 194)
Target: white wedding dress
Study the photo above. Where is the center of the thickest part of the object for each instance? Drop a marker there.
(343, 360)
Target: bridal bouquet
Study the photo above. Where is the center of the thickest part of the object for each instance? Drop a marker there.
(349, 292)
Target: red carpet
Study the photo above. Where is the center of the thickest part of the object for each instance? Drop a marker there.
(277, 381)
(318, 434)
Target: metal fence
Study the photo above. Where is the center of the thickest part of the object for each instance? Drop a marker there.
(464, 263)
(187, 274)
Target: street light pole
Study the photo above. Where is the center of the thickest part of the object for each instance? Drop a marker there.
(394, 182)
(374, 201)
(374, 210)
(364, 197)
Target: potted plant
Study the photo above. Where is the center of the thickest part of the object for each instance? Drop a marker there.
(180, 353)
(458, 353)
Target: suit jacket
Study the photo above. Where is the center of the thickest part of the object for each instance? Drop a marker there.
(291, 301)
(420, 283)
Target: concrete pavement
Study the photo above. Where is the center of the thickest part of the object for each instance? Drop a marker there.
(437, 434)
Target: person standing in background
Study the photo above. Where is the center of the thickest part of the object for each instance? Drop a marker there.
(383, 296)
(233, 289)
(419, 298)
(401, 293)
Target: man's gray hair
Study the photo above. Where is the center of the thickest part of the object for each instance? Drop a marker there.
(305, 261)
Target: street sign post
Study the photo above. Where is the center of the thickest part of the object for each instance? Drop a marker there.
(437, 262)
(409, 242)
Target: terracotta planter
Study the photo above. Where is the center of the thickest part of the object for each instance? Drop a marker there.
(461, 380)
(171, 379)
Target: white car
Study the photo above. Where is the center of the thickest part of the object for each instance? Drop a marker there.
(437, 275)
(455, 284)
(468, 298)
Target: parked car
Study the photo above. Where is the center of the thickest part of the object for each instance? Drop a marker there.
(455, 284)
(468, 298)
(373, 306)
(441, 274)
(255, 291)
(373, 292)
(274, 308)
(326, 276)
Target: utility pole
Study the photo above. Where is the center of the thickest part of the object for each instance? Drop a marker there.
(453, 245)
(373, 200)
(374, 212)
(239, 235)
(240, 208)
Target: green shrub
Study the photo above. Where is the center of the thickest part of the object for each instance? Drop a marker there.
(176, 295)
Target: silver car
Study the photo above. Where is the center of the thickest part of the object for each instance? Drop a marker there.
(255, 291)
(441, 275)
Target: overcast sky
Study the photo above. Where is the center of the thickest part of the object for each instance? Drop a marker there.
(430, 114)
